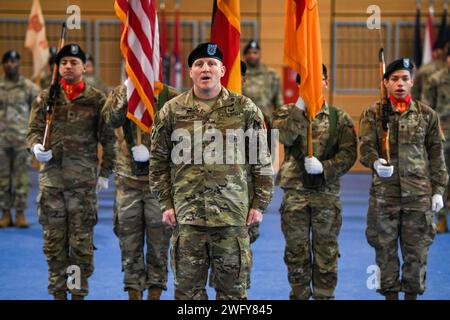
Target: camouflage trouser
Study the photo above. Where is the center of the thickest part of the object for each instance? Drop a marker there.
(14, 178)
(138, 221)
(311, 225)
(410, 221)
(226, 249)
(68, 218)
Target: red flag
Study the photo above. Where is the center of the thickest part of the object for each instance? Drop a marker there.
(226, 33)
(303, 50)
(428, 42)
(36, 39)
(140, 48)
(177, 77)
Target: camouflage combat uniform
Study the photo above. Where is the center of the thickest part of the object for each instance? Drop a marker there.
(438, 97)
(421, 80)
(67, 202)
(210, 200)
(400, 206)
(15, 104)
(311, 217)
(137, 215)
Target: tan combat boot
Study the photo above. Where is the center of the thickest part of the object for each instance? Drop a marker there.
(6, 220)
(154, 293)
(134, 294)
(60, 296)
(21, 221)
(442, 224)
(391, 295)
(410, 296)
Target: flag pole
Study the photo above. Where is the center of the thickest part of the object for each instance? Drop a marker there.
(310, 143)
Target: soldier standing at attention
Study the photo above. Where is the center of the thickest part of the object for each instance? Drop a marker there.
(438, 97)
(16, 96)
(68, 181)
(207, 200)
(137, 215)
(262, 85)
(311, 210)
(407, 191)
(421, 80)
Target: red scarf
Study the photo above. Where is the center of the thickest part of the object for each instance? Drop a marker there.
(401, 105)
(72, 90)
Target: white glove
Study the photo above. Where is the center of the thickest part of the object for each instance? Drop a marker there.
(102, 184)
(313, 165)
(140, 153)
(382, 170)
(300, 104)
(41, 154)
(437, 203)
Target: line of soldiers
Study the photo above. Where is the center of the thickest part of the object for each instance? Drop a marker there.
(212, 207)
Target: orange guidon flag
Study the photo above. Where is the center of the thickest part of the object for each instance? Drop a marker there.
(303, 50)
(226, 33)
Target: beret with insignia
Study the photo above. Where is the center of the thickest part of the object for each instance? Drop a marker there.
(252, 44)
(10, 55)
(71, 50)
(400, 64)
(205, 50)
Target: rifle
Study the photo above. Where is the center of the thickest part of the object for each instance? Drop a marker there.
(385, 150)
(51, 101)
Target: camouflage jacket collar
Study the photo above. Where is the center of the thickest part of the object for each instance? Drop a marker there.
(4, 82)
(225, 99)
(411, 108)
(85, 94)
(260, 69)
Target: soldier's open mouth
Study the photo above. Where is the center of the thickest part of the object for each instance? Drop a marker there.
(205, 78)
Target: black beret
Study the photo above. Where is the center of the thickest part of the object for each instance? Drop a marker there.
(10, 55)
(205, 50)
(400, 64)
(71, 50)
(243, 68)
(298, 79)
(252, 44)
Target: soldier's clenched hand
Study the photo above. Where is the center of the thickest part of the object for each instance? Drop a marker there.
(140, 153)
(382, 169)
(40, 153)
(169, 217)
(313, 165)
(254, 216)
(437, 203)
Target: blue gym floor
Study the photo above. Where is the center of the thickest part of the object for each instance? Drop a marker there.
(23, 269)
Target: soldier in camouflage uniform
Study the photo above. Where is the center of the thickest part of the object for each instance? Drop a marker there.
(262, 85)
(407, 191)
(311, 210)
(46, 77)
(67, 200)
(90, 77)
(137, 215)
(421, 79)
(438, 97)
(205, 198)
(16, 96)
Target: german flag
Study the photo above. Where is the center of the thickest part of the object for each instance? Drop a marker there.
(226, 33)
(303, 50)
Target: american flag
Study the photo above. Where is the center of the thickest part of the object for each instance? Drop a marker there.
(140, 48)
